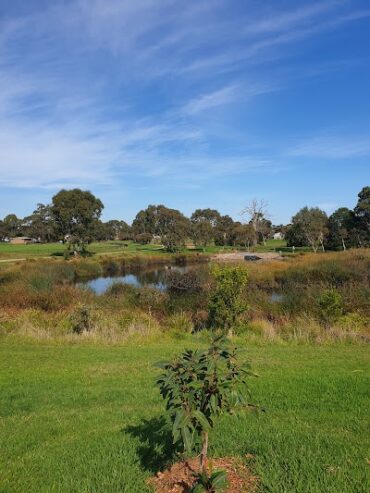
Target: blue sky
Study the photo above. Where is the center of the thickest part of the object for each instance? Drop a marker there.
(187, 103)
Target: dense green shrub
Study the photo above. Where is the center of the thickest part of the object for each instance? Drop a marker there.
(330, 306)
(226, 301)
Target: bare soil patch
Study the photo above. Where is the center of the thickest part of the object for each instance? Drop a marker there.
(179, 478)
(240, 256)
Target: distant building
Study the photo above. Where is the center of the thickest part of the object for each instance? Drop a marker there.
(22, 240)
(278, 236)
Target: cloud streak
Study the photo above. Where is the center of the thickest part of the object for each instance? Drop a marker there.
(95, 90)
(338, 147)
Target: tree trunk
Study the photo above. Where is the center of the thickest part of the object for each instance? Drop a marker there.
(344, 245)
(322, 245)
(203, 454)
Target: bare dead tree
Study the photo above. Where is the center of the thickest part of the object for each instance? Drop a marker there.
(257, 213)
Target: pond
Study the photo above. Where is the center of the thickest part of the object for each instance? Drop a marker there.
(149, 277)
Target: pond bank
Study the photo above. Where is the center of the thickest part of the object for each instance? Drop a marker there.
(240, 256)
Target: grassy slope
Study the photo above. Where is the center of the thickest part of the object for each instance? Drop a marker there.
(8, 251)
(46, 249)
(72, 418)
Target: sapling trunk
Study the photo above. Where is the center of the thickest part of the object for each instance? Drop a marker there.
(203, 453)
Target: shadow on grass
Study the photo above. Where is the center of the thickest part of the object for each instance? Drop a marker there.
(155, 449)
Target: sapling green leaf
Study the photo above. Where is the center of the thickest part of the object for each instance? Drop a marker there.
(198, 386)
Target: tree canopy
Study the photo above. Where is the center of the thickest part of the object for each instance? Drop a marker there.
(75, 213)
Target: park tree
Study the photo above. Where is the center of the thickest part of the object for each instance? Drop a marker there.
(223, 231)
(313, 224)
(146, 220)
(340, 227)
(295, 236)
(209, 215)
(101, 231)
(243, 235)
(117, 230)
(170, 224)
(173, 228)
(362, 218)
(12, 226)
(257, 214)
(40, 224)
(75, 213)
(2, 231)
(201, 233)
(264, 230)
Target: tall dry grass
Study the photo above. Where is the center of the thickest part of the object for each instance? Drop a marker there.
(322, 298)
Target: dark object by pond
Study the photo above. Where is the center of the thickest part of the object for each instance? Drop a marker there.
(251, 258)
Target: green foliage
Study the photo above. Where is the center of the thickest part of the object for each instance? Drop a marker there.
(330, 305)
(216, 482)
(170, 224)
(200, 385)
(362, 218)
(226, 302)
(312, 222)
(244, 235)
(81, 320)
(202, 233)
(75, 213)
(340, 224)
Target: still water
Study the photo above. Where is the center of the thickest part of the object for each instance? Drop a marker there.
(154, 278)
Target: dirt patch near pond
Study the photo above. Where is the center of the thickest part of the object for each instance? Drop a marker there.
(253, 256)
(179, 478)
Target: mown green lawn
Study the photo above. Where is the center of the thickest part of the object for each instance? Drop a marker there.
(55, 249)
(87, 419)
(38, 250)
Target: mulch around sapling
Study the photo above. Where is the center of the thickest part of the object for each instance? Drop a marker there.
(179, 478)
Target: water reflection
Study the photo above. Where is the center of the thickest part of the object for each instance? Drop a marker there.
(154, 278)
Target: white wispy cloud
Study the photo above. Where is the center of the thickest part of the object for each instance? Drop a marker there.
(211, 100)
(71, 75)
(337, 147)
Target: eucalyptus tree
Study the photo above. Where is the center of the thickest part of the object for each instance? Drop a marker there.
(313, 224)
(75, 213)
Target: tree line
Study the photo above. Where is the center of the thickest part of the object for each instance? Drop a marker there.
(73, 216)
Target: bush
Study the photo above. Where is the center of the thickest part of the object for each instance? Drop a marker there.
(226, 301)
(330, 306)
(183, 281)
(81, 320)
